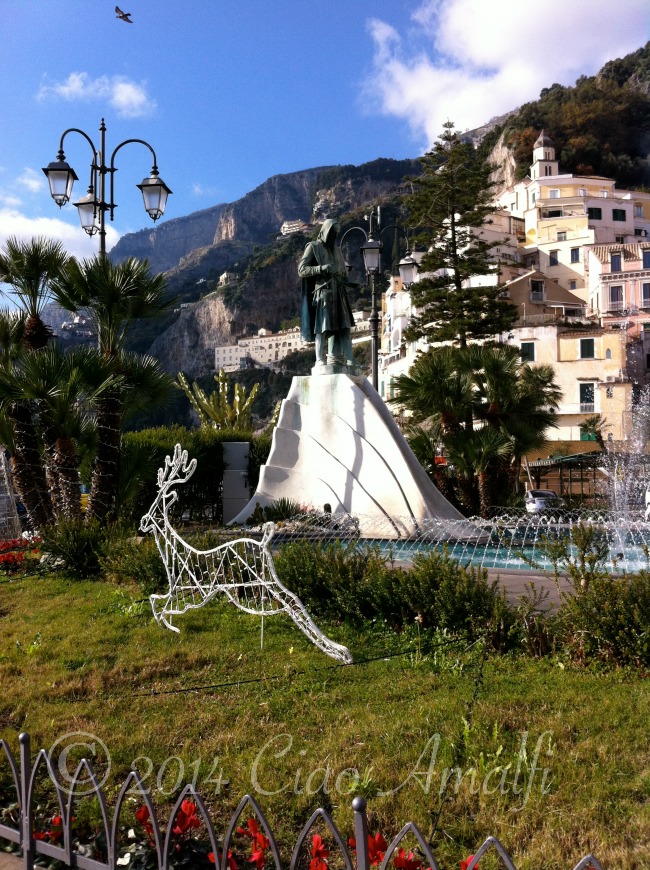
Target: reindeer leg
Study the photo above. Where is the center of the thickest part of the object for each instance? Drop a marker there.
(294, 607)
(159, 616)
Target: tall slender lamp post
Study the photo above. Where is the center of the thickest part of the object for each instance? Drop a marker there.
(371, 251)
(93, 206)
(372, 262)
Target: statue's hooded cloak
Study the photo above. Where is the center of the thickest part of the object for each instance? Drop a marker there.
(325, 306)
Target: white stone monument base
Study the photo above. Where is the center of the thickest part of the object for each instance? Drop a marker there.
(337, 443)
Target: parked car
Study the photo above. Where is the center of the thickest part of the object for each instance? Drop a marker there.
(538, 500)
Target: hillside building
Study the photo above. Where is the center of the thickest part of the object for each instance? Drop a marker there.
(266, 348)
(289, 228)
(227, 278)
(574, 257)
(564, 214)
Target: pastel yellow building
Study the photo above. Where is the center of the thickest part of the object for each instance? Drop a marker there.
(565, 213)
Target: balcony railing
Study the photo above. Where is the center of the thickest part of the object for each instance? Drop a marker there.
(587, 407)
(616, 305)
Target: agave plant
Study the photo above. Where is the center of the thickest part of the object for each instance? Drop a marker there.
(215, 411)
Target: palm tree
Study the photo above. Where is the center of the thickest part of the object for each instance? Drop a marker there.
(488, 408)
(29, 267)
(516, 398)
(437, 389)
(65, 388)
(425, 442)
(20, 433)
(596, 425)
(112, 296)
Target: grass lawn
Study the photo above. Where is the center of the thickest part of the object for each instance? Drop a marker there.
(288, 725)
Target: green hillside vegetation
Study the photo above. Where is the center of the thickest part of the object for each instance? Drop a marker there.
(381, 169)
(601, 126)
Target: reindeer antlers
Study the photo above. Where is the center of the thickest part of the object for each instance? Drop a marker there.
(170, 473)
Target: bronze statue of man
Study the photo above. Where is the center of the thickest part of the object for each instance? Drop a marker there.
(326, 316)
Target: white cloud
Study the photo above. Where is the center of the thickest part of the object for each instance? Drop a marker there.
(469, 60)
(8, 200)
(75, 241)
(201, 190)
(129, 99)
(31, 180)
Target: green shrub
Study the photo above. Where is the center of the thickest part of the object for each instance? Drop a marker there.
(77, 545)
(199, 498)
(441, 593)
(258, 453)
(136, 559)
(281, 509)
(609, 620)
(329, 578)
(344, 582)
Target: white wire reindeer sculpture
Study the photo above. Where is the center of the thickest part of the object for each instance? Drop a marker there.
(243, 569)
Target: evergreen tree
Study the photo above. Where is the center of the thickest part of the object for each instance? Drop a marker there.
(452, 201)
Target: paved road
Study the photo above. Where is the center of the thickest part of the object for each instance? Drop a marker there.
(516, 584)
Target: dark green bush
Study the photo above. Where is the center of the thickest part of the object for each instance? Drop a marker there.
(609, 620)
(258, 453)
(199, 498)
(344, 582)
(331, 579)
(445, 594)
(77, 546)
(136, 559)
(281, 509)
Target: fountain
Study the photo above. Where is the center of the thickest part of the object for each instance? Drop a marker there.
(511, 540)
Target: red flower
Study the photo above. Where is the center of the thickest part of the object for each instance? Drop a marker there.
(377, 846)
(465, 864)
(232, 864)
(142, 815)
(319, 854)
(186, 818)
(403, 861)
(259, 843)
(55, 835)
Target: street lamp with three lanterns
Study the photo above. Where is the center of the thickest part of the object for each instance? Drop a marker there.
(93, 206)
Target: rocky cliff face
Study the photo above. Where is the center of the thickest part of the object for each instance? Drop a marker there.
(188, 345)
(263, 299)
(310, 195)
(504, 174)
(261, 212)
(164, 245)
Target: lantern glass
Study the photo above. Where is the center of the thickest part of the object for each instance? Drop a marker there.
(154, 193)
(408, 269)
(371, 256)
(61, 177)
(88, 213)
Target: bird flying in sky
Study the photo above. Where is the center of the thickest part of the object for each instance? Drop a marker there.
(125, 16)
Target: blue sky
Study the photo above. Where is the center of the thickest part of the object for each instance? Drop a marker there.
(229, 93)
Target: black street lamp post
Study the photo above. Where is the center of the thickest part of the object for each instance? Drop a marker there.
(371, 251)
(93, 206)
(372, 261)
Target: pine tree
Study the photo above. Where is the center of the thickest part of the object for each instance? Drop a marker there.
(451, 201)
